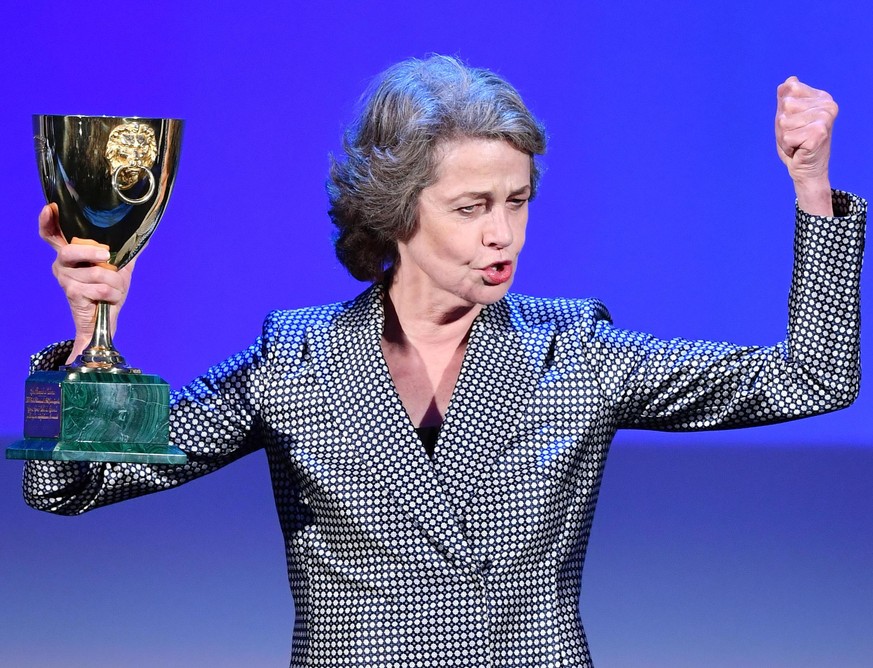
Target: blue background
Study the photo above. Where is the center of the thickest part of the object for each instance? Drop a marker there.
(663, 196)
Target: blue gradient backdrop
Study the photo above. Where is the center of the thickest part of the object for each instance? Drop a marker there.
(663, 196)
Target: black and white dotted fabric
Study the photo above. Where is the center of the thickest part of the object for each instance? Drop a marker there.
(473, 558)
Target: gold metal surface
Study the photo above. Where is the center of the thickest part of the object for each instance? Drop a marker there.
(131, 150)
(111, 178)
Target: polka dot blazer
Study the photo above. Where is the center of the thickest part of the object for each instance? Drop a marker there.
(474, 558)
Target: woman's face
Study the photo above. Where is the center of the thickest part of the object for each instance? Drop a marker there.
(471, 225)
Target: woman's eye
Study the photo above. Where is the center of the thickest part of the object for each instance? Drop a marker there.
(518, 202)
(470, 208)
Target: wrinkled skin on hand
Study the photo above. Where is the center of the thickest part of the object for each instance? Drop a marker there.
(84, 282)
(804, 126)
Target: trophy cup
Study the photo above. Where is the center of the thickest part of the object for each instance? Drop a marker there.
(110, 179)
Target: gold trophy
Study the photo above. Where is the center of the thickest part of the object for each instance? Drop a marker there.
(111, 178)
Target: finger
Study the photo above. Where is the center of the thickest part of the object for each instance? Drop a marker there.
(792, 85)
(77, 255)
(785, 122)
(49, 226)
(85, 295)
(798, 105)
(808, 138)
(90, 242)
(90, 284)
(786, 153)
(96, 292)
(92, 275)
(786, 88)
(793, 95)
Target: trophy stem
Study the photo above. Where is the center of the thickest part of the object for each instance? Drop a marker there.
(101, 355)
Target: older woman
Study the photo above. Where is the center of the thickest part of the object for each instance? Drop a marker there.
(436, 445)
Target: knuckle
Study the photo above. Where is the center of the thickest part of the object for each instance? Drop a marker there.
(102, 292)
(93, 274)
(66, 256)
(85, 273)
(791, 105)
(819, 131)
(74, 293)
(821, 122)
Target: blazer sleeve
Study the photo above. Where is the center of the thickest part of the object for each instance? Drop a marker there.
(692, 385)
(214, 420)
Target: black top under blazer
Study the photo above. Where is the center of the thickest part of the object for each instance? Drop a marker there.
(474, 558)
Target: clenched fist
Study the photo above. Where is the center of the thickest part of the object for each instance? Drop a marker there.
(804, 124)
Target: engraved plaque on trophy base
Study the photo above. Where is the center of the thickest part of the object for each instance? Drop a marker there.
(97, 417)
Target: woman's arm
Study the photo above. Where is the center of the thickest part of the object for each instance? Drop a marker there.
(685, 385)
(682, 384)
(213, 419)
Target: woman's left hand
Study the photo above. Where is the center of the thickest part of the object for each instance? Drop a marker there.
(804, 124)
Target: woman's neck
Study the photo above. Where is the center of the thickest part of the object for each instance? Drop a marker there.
(411, 319)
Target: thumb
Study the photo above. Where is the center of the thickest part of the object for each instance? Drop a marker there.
(50, 227)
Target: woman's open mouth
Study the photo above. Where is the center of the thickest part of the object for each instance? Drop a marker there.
(498, 273)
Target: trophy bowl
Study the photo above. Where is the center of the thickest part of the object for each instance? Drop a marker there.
(110, 178)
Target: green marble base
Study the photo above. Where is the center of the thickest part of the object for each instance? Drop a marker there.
(142, 453)
(97, 417)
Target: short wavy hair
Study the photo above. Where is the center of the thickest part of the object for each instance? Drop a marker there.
(392, 151)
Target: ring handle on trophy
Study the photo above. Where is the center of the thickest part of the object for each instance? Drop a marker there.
(118, 188)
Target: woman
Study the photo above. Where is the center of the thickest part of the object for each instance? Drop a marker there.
(463, 544)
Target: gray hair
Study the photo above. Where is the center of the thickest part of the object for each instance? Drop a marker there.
(392, 151)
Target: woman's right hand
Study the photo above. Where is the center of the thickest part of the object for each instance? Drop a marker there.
(82, 278)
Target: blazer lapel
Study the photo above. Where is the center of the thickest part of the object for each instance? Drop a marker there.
(368, 409)
(504, 361)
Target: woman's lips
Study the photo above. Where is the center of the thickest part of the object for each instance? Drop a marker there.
(498, 273)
